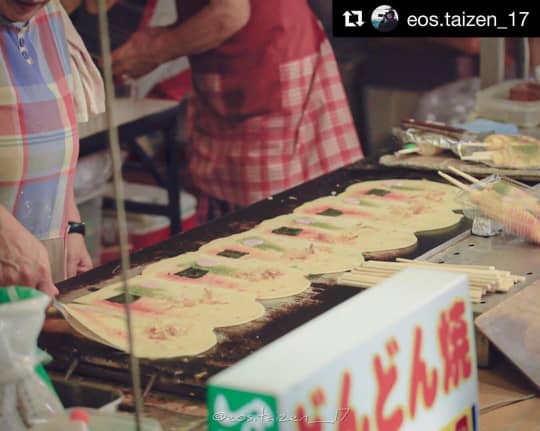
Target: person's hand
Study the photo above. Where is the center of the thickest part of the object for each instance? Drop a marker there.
(23, 259)
(78, 260)
(138, 56)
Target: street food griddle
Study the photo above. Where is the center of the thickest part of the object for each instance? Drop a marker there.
(187, 376)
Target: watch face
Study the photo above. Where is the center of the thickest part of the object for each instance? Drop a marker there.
(76, 227)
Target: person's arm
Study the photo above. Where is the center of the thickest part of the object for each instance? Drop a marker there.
(71, 5)
(204, 31)
(466, 45)
(534, 47)
(23, 259)
(77, 258)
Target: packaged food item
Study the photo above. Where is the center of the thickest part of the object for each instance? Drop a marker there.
(525, 92)
(429, 139)
(503, 151)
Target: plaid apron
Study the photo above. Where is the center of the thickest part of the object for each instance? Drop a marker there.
(269, 110)
(38, 133)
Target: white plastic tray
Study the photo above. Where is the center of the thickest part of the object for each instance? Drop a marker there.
(493, 103)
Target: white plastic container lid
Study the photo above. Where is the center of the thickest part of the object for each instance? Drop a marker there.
(493, 103)
(102, 421)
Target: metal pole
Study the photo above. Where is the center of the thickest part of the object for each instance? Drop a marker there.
(119, 196)
(491, 61)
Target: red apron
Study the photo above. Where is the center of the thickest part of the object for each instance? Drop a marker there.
(269, 110)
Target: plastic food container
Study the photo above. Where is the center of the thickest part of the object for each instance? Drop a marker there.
(103, 421)
(513, 205)
(494, 103)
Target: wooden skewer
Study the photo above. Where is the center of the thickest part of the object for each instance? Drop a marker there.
(482, 279)
(480, 267)
(474, 272)
(484, 285)
(455, 182)
(475, 294)
(490, 285)
(480, 271)
(407, 151)
(464, 175)
(475, 144)
(378, 271)
(479, 156)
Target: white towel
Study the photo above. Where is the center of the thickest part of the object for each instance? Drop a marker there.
(88, 89)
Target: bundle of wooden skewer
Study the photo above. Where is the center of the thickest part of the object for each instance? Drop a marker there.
(503, 151)
(482, 279)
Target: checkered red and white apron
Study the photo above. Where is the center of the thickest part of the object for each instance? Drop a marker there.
(269, 110)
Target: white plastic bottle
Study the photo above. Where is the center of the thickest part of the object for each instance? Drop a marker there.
(79, 420)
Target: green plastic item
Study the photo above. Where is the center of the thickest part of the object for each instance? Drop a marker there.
(19, 293)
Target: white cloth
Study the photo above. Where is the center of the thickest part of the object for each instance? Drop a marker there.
(88, 89)
(162, 13)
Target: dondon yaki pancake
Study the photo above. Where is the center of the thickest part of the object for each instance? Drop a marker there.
(266, 280)
(308, 256)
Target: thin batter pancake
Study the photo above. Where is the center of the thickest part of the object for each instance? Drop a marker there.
(265, 280)
(153, 297)
(365, 238)
(170, 319)
(430, 195)
(414, 215)
(154, 338)
(308, 256)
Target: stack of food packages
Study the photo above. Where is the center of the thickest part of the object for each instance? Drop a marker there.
(503, 151)
(227, 278)
(500, 151)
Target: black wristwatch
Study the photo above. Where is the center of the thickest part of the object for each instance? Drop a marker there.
(76, 227)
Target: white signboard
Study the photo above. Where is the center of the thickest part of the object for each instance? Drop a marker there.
(398, 357)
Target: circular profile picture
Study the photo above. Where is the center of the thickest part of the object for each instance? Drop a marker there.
(384, 18)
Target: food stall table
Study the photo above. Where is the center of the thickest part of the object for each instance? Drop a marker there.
(182, 382)
(135, 118)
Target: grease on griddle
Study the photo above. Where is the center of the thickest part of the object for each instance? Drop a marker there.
(289, 231)
(192, 272)
(232, 254)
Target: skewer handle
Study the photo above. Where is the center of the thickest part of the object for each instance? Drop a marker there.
(455, 182)
(464, 175)
(479, 156)
(407, 151)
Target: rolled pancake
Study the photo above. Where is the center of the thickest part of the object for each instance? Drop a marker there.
(154, 338)
(155, 298)
(266, 280)
(308, 256)
(364, 238)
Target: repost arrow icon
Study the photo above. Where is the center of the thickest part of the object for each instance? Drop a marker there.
(359, 21)
(348, 22)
